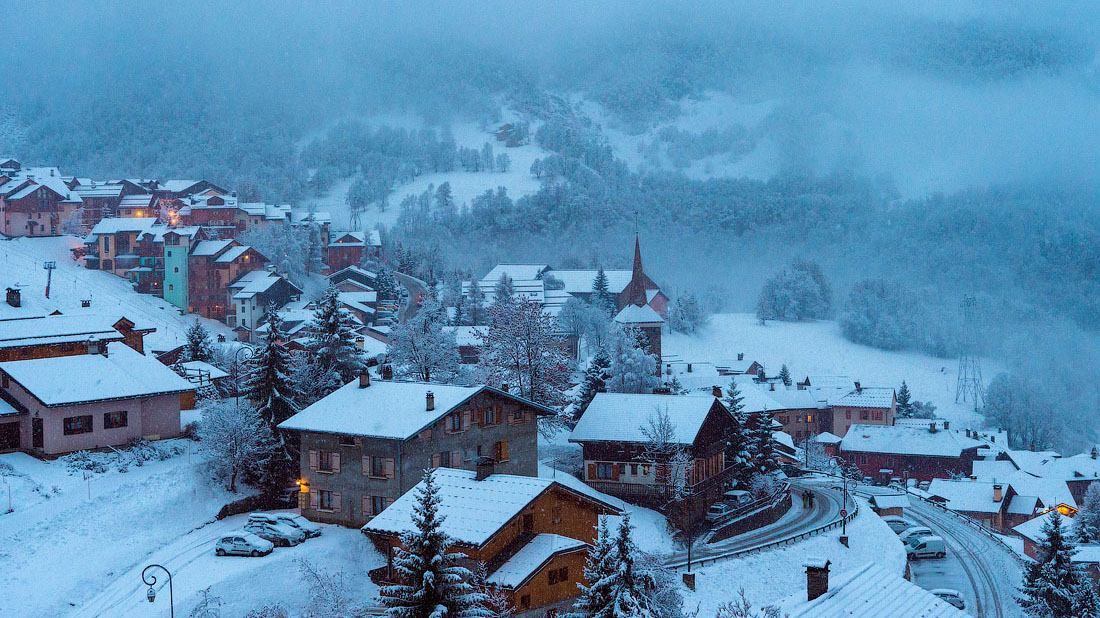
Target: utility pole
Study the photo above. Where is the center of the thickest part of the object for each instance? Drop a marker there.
(49, 266)
(969, 384)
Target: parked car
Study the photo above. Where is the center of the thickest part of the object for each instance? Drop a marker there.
(293, 520)
(951, 597)
(926, 547)
(281, 535)
(718, 511)
(913, 532)
(737, 497)
(242, 543)
(897, 524)
(924, 485)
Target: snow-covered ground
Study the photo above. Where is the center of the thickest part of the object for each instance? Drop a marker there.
(21, 261)
(818, 348)
(771, 575)
(464, 185)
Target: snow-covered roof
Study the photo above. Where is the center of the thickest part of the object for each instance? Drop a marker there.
(177, 185)
(869, 590)
(1032, 529)
(360, 301)
(1076, 468)
(255, 282)
(992, 469)
(621, 417)
(466, 335)
(528, 560)
(123, 373)
(515, 272)
(386, 409)
(890, 501)
(232, 254)
(206, 248)
(73, 328)
(638, 314)
(475, 510)
(304, 216)
(136, 200)
(214, 372)
(905, 441)
(1023, 505)
(968, 495)
(867, 397)
(783, 438)
(580, 281)
(115, 225)
(1050, 491)
(98, 190)
(827, 438)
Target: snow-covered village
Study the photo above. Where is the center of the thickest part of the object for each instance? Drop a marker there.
(560, 309)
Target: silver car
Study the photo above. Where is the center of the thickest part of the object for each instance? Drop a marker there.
(242, 543)
(281, 535)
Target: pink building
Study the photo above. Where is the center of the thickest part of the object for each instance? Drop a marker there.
(62, 404)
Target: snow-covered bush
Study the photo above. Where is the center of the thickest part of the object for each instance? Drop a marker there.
(799, 292)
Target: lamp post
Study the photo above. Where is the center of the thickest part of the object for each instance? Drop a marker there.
(236, 371)
(151, 580)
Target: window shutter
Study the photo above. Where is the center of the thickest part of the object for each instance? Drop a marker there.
(614, 472)
(313, 460)
(435, 460)
(502, 450)
(456, 459)
(591, 471)
(336, 501)
(336, 462)
(466, 419)
(387, 465)
(314, 499)
(366, 465)
(366, 506)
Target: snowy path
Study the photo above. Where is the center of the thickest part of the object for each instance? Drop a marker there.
(991, 572)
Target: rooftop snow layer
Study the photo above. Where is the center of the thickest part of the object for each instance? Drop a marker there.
(905, 441)
(116, 225)
(527, 561)
(638, 314)
(869, 591)
(621, 417)
(122, 374)
(580, 281)
(51, 329)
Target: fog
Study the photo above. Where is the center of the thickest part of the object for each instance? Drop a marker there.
(948, 146)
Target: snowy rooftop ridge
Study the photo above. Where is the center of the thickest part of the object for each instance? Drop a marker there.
(527, 561)
(869, 591)
(620, 417)
(906, 441)
(122, 374)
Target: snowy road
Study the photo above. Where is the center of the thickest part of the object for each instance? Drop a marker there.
(796, 521)
(416, 289)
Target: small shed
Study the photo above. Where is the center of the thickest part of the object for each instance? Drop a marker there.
(889, 504)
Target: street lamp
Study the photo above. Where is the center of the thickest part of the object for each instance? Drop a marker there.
(236, 370)
(151, 580)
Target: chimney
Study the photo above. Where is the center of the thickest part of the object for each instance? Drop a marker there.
(716, 391)
(859, 387)
(429, 401)
(772, 386)
(689, 368)
(946, 425)
(364, 379)
(15, 297)
(740, 356)
(817, 577)
(93, 345)
(484, 468)
(932, 427)
(1094, 453)
(998, 494)
(505, 387)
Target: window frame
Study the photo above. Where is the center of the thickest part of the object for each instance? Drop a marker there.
(112, 424)
(601, 466)
(67, 425)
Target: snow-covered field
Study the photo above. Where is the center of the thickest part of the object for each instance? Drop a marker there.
(818, 348)
(21, 261)
(464, 185)
(770, 576)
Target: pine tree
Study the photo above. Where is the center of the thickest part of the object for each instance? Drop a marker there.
(785, 375)
(601, 296)
(1087, 522)
(333, 337)
(269, 388)
(739, 439)
(198, 346)
(622, 591)
(598, 567)
(905, 408)
(595, 380)
(761, 445)
(503, 293)
(475, 305)
(1055, 587)
(385, 284)
(433, 583)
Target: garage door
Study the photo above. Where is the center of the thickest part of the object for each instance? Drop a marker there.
(9, 436)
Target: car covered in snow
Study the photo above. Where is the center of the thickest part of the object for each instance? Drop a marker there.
(718, 511)
(280, 534)
(897, 524)
(737, 497)
(925, 547)
(293, 520)
(242, 543)
(913, 532)
(953, 598)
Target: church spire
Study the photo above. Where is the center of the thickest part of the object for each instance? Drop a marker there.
(636, 288)
(638, 270)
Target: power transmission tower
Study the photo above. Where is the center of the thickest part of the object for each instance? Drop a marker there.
(970, 386)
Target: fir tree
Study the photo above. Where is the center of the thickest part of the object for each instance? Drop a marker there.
(1087, 522)
(475, 305)
(601, 296)
(785, 375)
(905, 408)
(503, 293)
(739, 439)
(595, 380)
(761, 446)
(598, 567)
(198, 346)
(622, 590)
(385, 284)
(333, 335)
(1055, 587)
(433, 584)
(269, 388)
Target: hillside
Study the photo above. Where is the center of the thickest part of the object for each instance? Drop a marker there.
(817, 348)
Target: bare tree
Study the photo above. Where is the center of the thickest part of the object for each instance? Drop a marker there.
(667, 453)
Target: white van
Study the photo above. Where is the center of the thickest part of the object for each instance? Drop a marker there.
(926, 547)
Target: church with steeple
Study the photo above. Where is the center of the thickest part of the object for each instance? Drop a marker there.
(643, 305)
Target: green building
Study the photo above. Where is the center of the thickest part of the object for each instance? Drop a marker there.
(177, 249)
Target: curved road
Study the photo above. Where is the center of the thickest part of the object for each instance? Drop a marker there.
(826, 510)
(415, 288)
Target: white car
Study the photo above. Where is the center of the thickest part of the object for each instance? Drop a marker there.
(293, 520)
(925, 547)
(281, 535)
(242, 543)
(914, 532)
(953, 598)
(897, 524)
(718, 511)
